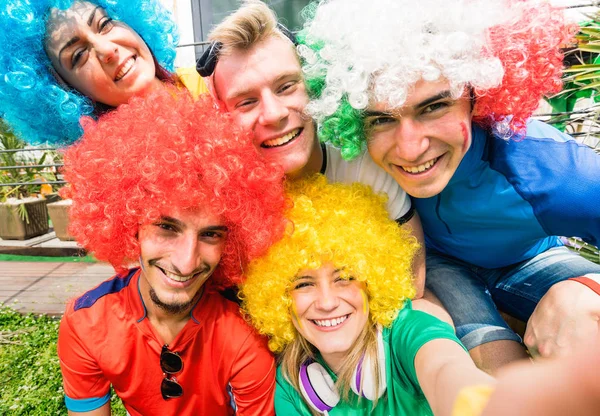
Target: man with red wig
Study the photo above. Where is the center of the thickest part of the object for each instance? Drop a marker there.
(440, 93)
(168, 184)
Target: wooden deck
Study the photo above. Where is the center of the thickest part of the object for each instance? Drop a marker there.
(45, 287)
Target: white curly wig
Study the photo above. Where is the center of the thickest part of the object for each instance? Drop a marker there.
(363, 51)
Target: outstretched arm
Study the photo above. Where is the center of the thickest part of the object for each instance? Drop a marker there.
(443, 370)
(563, 386)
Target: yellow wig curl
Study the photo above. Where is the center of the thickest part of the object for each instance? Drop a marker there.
(346, 225)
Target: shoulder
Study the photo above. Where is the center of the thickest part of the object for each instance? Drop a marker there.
(111, 290)
(94, 311)
(192, 80)
(412, 329)
(543, 149)
(363, 169)
(227, 323)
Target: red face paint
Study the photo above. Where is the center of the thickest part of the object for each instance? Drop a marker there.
(465, 133)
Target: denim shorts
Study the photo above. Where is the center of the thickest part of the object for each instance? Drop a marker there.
(472, 295)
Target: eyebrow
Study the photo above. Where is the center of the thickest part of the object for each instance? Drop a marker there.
(245, 91)
(92, 14)
(424, 103)
(439, 96)
(76, 39)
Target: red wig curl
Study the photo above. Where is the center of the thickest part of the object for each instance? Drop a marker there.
(162, 152)
(530, 51)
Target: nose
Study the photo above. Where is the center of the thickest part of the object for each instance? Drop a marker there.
(186, 256)
(411, 141)
(327, 299)
(273, 110)
(106, 50)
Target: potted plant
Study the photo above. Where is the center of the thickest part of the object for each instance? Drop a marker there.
(23, 212)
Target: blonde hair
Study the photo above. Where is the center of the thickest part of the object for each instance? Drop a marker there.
(347, 225)
(249, 25)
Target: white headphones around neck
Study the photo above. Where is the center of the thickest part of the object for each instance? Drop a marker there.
(319, 390)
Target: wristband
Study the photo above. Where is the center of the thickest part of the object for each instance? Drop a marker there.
(592, 284)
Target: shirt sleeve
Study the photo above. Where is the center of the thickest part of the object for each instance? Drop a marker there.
(410, 331)
(371, 174)
(557, 176)
(363, 169)
(85, 386)
(253, 378)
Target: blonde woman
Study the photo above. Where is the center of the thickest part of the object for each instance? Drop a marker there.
(334, 297)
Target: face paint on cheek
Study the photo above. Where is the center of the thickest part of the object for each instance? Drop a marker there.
(465, 133)
(365, 301)
(295, 316)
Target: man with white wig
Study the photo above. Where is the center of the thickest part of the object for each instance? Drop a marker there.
(440, 93)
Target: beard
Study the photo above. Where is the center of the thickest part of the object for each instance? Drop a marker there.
(174, 308)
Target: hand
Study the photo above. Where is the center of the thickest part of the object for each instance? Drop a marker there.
(566, 316)
(567, 385)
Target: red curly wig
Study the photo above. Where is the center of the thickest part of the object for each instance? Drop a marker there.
(530, 51)
(162, 152)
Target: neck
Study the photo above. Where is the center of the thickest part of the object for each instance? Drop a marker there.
(335, 360)
(159, 316)
(314, 163)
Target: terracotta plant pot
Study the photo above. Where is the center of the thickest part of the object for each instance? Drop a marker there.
(12, 227)
(59, 214)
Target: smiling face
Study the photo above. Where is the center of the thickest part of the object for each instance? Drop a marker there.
(329, 311)
(178, 255)
(103, 59)
(264, 90)
(421, 144)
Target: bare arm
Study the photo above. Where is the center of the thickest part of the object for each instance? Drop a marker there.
(443, 370)
(562, 386)
(566, 316)
(101, 411)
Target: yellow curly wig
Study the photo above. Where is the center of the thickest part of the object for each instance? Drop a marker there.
(346, 225)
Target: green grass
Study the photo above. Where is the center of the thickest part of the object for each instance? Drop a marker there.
(71, 259)
(29, 368)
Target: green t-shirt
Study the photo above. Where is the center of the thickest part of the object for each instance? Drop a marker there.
(407, 334)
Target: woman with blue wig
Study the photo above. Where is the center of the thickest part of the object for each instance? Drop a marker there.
(64, 59)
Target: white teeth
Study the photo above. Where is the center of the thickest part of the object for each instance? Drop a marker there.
(281, 140)
(178, 278)
(125, 68)
(330, 322)
(421, 168)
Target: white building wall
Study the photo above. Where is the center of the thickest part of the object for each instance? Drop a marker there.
(182, 12)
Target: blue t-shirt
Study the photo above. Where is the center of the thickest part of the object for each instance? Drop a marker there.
(509, 199)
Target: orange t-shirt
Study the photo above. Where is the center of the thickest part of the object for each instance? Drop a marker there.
(106, 339)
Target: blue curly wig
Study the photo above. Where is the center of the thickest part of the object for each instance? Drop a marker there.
(32, 102)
